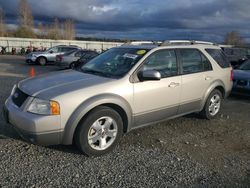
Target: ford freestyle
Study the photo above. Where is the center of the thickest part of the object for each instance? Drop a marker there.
(124, 88)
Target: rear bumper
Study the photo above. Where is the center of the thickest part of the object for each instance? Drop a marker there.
(29, 125)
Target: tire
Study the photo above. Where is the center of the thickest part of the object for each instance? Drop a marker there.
(42, 61)
(72, 65)
(96, 135)
(212, 109)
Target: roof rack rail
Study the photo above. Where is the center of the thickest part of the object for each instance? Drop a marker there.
(185, 42)
(143, 43)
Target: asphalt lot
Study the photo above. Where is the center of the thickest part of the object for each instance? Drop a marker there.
(184, 152)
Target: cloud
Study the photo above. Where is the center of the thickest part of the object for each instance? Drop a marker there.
(147, 19)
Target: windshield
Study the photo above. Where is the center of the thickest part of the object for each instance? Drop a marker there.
(52, 49)
(245, 66)
(115, 62)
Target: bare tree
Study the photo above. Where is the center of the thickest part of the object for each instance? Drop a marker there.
(68, 30)
(234, 38)
(55, 30)
(25, 14)
(2, 24)
(25, 19)
(41, 30)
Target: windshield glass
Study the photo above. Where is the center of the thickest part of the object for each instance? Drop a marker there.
(115, 62)
(245, 66)
(52, 49)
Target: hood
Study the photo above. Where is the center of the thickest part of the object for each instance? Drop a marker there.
(57, 83)
(242, 74)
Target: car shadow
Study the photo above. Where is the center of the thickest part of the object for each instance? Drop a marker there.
(239, 98)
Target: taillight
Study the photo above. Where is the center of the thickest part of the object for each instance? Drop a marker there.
(59, 58)
(232, 75)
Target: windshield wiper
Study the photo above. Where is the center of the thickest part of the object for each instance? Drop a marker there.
(96, 72)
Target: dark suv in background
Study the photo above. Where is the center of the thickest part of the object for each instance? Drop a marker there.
(235, 55)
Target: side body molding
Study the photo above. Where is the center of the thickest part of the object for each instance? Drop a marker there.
(90, 104)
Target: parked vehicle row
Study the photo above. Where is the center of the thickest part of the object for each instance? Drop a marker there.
(63, 56)
(49, 56)
(75, 58)
(236, 56)
(120, 90)
(241, 84)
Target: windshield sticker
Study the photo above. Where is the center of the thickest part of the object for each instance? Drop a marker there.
(141, 52)
(131, 56)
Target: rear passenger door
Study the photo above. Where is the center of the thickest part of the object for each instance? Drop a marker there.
(196, 77)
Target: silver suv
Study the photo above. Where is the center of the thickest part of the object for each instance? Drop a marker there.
(120, 90)
(49, 55)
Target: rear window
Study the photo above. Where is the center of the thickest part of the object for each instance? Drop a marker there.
(219, 57)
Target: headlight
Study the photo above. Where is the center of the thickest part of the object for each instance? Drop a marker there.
(43, 107)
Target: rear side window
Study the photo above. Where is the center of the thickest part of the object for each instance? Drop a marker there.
(219, 57)
(88, 55)
(66, 49)
(193, 61)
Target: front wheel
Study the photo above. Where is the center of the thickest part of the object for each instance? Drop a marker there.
(99, 132)
(42, 61)
(213, 105)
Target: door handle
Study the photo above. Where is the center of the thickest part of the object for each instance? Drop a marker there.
(173, 84)
(208, 78)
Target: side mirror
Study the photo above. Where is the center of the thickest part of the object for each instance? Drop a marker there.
(149, 75)
(51, 52)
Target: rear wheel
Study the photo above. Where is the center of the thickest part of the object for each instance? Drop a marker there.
(42, 61)
(213, 105)
(72, 65)
(99, 132)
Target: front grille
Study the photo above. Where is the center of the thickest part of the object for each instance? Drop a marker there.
(19, 97)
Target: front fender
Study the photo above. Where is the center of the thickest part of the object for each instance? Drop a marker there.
(90, 104)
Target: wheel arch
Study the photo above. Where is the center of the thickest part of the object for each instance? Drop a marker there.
(110, 100)
(218, 84)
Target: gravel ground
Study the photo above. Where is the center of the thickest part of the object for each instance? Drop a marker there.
(185, 152)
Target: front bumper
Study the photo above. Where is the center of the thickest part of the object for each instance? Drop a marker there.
(30, 60)
(37, 129)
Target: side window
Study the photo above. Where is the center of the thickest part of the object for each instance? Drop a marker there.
(191, 61)
(206, 64)
(54, 50)
(66, 49)
(219, 57)
(164, 61)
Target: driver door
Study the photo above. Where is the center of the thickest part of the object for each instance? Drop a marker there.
(158, 100)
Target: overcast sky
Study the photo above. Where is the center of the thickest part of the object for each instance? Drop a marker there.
(144, 19)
